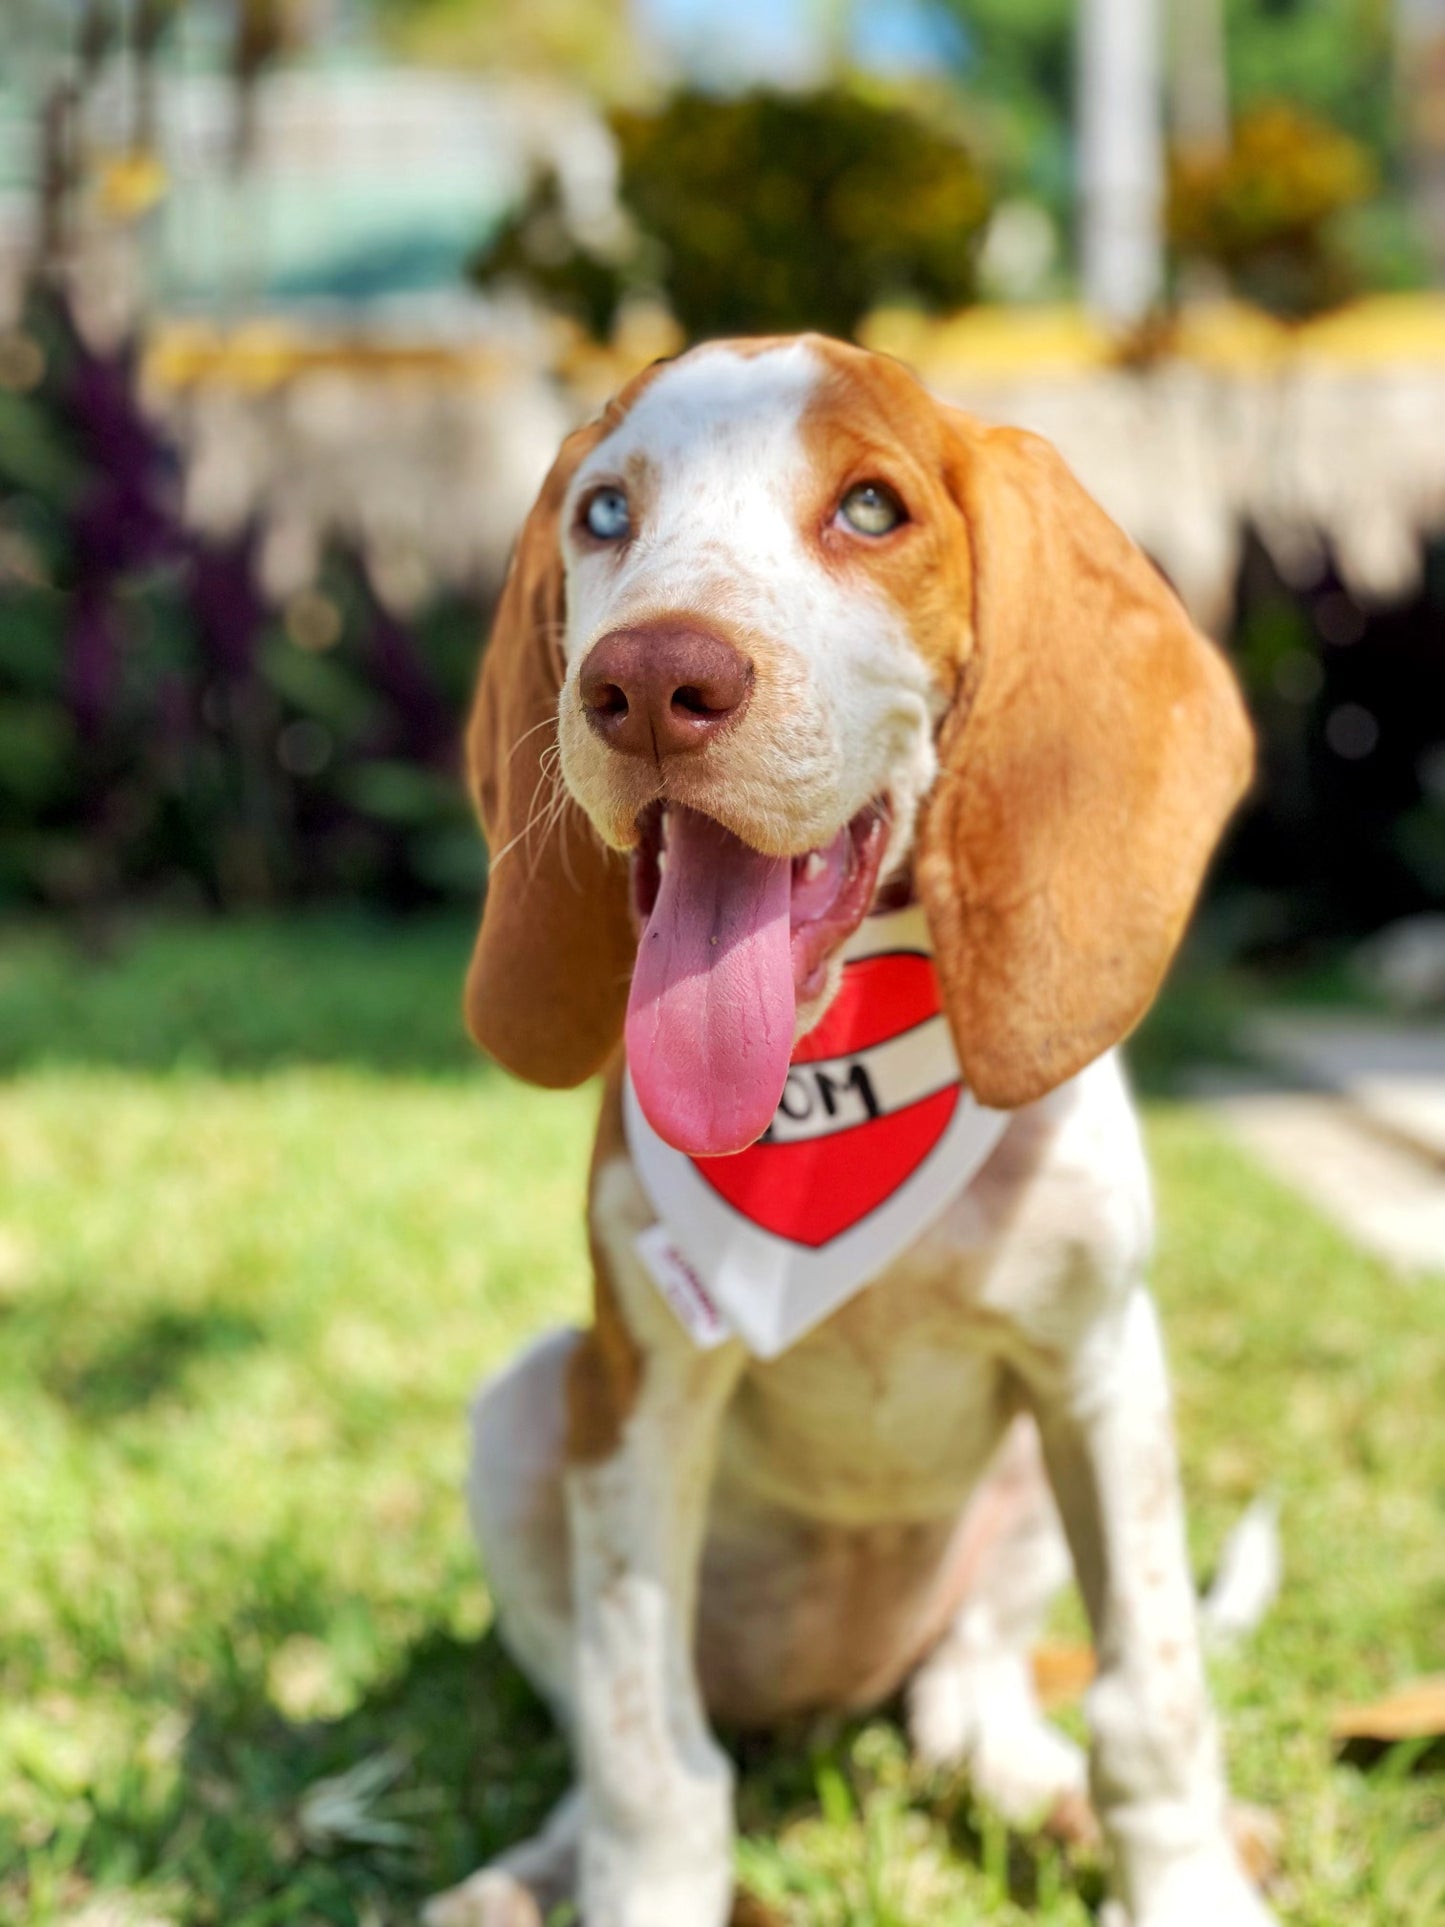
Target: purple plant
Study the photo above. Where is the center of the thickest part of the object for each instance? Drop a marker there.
(92, 659)
(230, 610)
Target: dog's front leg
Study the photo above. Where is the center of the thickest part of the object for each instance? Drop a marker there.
(1158, 1785)
(657, 1789)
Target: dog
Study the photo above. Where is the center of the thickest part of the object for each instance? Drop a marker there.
(788, 652)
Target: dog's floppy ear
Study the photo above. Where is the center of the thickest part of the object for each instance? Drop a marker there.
(1093, 753)
(547, 990)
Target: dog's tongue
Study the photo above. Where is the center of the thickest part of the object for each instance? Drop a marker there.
(710, 1019)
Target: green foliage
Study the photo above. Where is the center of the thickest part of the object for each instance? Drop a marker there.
(163, 729)
(240, 998)
(1016, 58)
(766, 213)
(537, 249)
(1332, 59)
(1263, 210)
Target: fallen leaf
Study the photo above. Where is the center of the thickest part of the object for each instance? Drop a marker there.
(1412, 1712)
(749, 1911)
(1061, 1673)
(1258, 1839)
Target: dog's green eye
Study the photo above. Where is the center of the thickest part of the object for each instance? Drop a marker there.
(607, 515)
(871, 509)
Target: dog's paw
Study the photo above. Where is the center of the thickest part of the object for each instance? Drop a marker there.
(1211, 1892)
(489, 1899)
(982, 1715)
(1028, 1772)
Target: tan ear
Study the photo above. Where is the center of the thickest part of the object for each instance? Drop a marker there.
(547, 990)
(1094, 752)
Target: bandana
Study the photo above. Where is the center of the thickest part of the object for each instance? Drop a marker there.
(873, 1137)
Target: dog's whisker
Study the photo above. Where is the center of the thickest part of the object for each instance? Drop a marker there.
(551, 813)
(547, 722)
(536, 813)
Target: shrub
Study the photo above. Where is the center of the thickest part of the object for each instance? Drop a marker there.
(1265, 210)
(765, 213)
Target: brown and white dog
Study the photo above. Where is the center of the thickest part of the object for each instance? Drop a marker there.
(828, 629)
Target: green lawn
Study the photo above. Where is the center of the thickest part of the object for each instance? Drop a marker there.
(263, 1225)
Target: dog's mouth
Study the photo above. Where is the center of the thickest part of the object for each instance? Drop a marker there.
(731, 943)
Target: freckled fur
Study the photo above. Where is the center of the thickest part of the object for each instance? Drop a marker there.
(605, 1370)
(677, 1535)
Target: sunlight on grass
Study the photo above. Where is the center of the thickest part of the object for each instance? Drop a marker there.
(263, 1226)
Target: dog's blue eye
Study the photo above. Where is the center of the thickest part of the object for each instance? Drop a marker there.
(607, 515)
(871, 509)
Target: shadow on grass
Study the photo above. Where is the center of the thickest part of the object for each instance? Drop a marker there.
(277, 1824)
(239, 997)
(254, 994)
(356, 1820)
(451, 1761)
(149, 1360)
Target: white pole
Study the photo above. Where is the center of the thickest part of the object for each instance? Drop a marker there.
(1121, 157)
(1420, 62)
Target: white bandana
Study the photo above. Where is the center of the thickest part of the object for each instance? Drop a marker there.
(874, 1136)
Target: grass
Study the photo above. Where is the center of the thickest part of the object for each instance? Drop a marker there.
(264, 1223)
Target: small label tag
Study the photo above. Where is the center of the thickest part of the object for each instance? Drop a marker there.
(684, 1291)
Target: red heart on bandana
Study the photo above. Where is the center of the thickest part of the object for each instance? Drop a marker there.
(812, 1191)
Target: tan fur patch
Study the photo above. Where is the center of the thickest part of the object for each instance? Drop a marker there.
(604, 1374)
(1095, 743)
(872, 421)
(1099, 748)
(547, 987)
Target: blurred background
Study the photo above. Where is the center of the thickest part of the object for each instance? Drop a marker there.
(297, 298)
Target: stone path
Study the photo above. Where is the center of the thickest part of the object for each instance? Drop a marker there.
(1393, 1074)
(1351, 1112)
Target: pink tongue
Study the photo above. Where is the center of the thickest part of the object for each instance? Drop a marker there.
(710, 1019)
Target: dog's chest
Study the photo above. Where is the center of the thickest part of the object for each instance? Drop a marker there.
(890, 1411)
(892, 1408)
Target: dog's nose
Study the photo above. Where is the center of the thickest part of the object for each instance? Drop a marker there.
(660, 691)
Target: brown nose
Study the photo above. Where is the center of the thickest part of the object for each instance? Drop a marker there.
(659, 691)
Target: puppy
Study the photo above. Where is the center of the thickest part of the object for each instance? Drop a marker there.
(849, 778)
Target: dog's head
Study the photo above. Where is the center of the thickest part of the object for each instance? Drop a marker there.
(786, 632)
